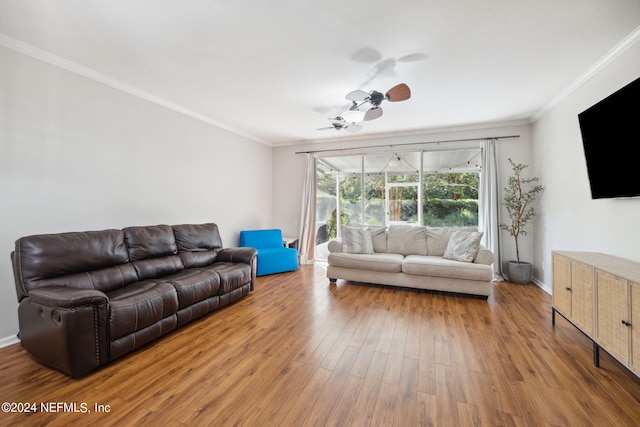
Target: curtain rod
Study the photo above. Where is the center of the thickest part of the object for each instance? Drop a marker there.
(408, 144)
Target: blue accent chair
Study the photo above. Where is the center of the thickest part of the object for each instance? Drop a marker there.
(272, 256)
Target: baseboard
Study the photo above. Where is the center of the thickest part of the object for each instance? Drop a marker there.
(10, 340)
(542, 286)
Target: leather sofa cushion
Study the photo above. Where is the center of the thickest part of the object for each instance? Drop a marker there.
(232, 275)
(390, 263)
(54, 255)
(104, 279)
(140, 304)
(158, 267)
(198, 258)
(194, 285)
(441, 267)
(153, 251)
(121, 346)
(150, 241)
(198, 244)
(197, 237)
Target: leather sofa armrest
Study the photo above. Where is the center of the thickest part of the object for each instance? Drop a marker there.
(66, 328)
(67, 298)
(241, 254)
(335, 245)
(484, 256)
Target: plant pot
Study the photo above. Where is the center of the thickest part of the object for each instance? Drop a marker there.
(519, 272)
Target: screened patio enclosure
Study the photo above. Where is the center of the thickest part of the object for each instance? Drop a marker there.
(434, 188)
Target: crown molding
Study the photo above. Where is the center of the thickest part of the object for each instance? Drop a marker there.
(70, 66)
(27, 49)
(424, 132)
(617, 50)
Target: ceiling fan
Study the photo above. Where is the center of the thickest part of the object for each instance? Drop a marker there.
(338, 123)
(366, 105)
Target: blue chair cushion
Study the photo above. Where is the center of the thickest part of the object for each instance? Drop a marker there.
(260, 239)
(272, 256)
(279, 260)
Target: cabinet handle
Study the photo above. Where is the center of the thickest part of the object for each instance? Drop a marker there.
(625, 323)
(568, 288)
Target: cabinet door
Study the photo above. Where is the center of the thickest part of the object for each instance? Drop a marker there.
(582, 276)
(613, 309)
(562, 284)
(635, 327)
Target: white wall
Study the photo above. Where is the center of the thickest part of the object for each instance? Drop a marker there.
(78, 155)
(570, 219)
(289, 170)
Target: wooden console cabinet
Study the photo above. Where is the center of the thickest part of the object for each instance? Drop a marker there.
(600, 295)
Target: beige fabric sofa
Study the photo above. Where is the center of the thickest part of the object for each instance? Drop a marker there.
(413, 257)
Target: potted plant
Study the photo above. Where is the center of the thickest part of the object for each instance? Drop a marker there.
(520, 193)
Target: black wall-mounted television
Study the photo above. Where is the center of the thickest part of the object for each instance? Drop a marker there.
(611, 139)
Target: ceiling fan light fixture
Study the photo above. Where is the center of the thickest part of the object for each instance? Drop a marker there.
(365, 106)
(353, 116)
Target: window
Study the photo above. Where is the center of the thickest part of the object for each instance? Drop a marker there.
(450, 188)
(435, 188)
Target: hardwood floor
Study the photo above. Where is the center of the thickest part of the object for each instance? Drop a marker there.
(300, 352)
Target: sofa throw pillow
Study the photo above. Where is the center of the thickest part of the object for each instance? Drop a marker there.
(407, 240)
(356, 240)
(463, 246)
(438, 238)
(378, 236)
(379, 239)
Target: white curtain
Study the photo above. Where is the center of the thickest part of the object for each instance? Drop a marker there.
(308, 213)
(488, 215)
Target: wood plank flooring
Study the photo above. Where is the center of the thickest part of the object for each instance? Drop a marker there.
(299, 352)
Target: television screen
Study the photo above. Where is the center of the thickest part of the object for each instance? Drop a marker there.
(611, 137)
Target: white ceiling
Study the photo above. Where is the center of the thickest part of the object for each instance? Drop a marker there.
(276, 70)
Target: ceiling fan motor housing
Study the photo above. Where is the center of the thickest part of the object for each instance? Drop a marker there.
(376, 98)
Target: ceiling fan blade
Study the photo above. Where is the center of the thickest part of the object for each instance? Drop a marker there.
(365, 106)
(399, 92)
(327, 128)
(357, 96)
(353, 128)
(372, 114)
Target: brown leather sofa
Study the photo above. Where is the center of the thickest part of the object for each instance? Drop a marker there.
(87, 298)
